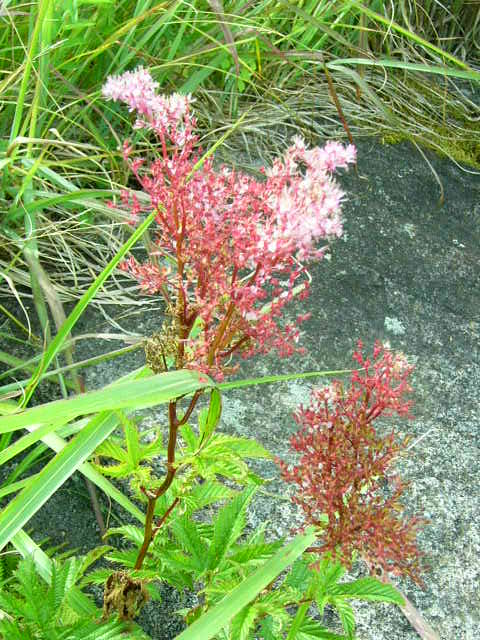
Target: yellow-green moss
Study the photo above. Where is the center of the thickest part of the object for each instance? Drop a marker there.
(463, 151)
(441, 118)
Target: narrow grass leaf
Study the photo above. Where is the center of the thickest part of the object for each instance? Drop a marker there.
(137, 394)
(406, 66)
(251, 382)
(82, 304)
(19, 511)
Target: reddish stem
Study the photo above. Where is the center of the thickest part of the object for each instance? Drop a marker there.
(149, 531)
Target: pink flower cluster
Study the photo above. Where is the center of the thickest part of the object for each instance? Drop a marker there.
(235, 242)
(164, 114)
(345, 464)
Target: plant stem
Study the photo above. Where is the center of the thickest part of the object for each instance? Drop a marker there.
(414, 617)
(150, 530)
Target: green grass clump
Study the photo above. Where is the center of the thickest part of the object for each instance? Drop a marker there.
(392, 68)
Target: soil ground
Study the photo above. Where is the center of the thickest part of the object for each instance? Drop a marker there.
(406, 271)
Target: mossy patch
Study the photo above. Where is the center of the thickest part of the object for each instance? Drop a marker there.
(437, 117)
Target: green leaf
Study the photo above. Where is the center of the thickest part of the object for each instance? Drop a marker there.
(27, 547)
(268, 630)
(300, 575)
(250, 382)
(91, 557)
(326, 577)
(222, 465)
(82, 304)
(229, 525)
(129, 532)
(215, 619)
(241, 447)
(311, 630)
(19, 511)
(346, 615)
(243, 623)
(186, 532)
(130, 394)
(208, 421)
(132, 441)
(205, 494)
(57, 444)
(254, 553)
(329, 573)
(189, 437)
(369, 589)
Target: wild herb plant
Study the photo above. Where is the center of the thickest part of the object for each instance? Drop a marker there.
(227, 258)
(227, 255)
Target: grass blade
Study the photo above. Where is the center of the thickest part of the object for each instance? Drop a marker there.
(250, 382)
(135, 394)
(81, 305)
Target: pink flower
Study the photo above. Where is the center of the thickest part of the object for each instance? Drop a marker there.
(344, 464)
(236, 242)
(163, 114)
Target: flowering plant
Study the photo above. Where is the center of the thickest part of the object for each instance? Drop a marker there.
(228, 256)
(229, 247)
(344, 463)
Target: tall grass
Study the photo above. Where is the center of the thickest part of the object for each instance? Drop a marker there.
(403, 69)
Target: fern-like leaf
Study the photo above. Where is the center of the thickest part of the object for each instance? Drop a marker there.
(367, 589)
(312, 630)
(187, 534)
(243, 623)
(229, 525)
(346, 615)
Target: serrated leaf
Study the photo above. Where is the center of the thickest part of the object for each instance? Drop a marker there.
(208, 421)
(228, 526)
(311, 630)
(97, 576)
(346, 615)
(214, 620)
(189, 437)
(243, 623)
(187, 535)
(205, 494)
(254, 553)
(113, 470)
(329, 573)
(241, 447)
(133, 443)
(80, 603)
(300, 575)
(268, 629)
(369, 589)
(110, 449)
(228, 467)
(128, 531)
(91, 557)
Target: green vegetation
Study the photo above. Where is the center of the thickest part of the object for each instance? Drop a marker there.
(409, 73)
(259, 72)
